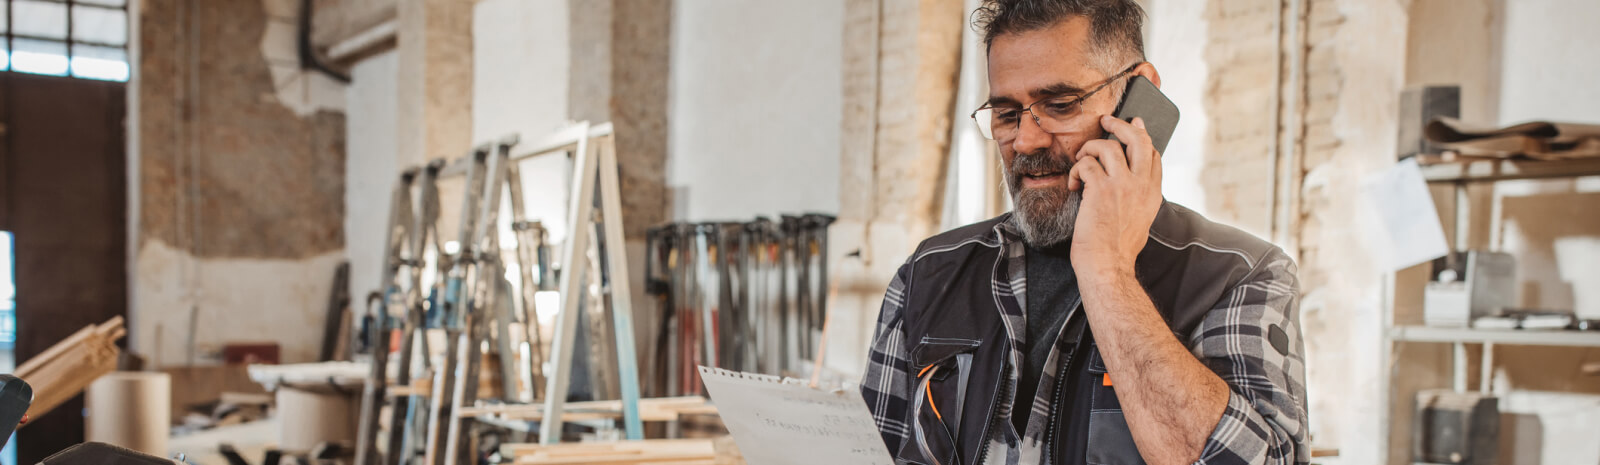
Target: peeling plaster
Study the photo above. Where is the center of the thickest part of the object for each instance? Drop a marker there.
(1342, 310)
(302, 91)
(231, 300)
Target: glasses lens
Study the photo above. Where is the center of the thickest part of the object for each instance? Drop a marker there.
(1054, 113)
(1001, 123)
(984, 118)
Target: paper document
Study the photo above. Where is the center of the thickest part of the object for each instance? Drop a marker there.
(782, 422)
(1409, 231)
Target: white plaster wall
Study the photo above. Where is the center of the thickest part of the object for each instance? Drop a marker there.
(1175, 44)
(372, 166)
(1550, 61)
(221, 300)
(520, 60)
(755, 108)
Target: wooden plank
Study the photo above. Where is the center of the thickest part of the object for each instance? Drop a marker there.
(657, 409)
(673, 451)
(71, 342)
(66, 368)
(1501, 170)
(706, 409)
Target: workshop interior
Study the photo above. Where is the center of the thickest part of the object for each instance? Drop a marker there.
(320, 232)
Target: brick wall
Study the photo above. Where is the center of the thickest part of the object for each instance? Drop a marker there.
(1300, 101)
(1242, 55)
(239, 197)
(1351, 71)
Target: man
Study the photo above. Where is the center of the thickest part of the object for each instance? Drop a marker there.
(1096, 323)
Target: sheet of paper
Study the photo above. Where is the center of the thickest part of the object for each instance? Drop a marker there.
(1409, 231)
(783, 422)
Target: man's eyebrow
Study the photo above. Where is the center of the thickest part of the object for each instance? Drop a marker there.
(1000, 100)
(1055, 90)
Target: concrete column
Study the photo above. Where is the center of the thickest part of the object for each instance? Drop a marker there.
(901, 61)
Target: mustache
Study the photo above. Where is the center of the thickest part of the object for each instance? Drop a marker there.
(1042, 160)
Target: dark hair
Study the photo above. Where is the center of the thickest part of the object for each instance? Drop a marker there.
(1116, 31)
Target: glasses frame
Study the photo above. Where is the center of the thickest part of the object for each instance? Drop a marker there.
(1029, 109)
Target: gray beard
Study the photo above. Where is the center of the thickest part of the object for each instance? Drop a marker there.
(1045, 215)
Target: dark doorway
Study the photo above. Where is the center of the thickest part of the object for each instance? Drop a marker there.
(63, 196)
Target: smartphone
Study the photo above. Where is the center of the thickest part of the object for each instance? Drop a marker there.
(1144, 100)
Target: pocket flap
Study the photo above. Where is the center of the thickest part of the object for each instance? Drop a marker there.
(934, 350)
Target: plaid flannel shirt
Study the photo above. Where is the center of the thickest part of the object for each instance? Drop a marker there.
(1265, 418)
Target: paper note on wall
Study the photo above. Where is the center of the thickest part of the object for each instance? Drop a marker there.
(1410, 231)
(783, 422)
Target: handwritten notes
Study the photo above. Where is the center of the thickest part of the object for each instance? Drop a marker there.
(783, 422)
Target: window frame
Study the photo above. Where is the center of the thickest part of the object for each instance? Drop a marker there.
(10, 36)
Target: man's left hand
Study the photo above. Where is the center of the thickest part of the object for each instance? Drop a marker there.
(1121, 196)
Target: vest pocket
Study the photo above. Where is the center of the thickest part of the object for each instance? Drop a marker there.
(941, 367)
(1110, 440)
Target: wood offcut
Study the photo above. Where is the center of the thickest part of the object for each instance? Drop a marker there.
(67, 368)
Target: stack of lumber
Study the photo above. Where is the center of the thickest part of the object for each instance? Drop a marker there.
(68, 367)
(652, 451)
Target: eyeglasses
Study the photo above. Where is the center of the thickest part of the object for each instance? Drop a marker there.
(1053, 115)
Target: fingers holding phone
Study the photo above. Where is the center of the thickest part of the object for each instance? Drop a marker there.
(1139, 151)
(1120, 200)
(1120, 181)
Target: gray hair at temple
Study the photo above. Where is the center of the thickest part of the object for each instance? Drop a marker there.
(1116, 26)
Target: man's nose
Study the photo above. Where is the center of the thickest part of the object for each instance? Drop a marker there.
(1030, 137)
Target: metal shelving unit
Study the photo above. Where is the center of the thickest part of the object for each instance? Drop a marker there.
(1525, 337)
(1459, 176)
(1505, 170)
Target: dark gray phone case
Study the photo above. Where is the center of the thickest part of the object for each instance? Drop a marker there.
(1144, 100)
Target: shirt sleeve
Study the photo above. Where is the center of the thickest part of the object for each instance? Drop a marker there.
(886, 385)
(1251, 339)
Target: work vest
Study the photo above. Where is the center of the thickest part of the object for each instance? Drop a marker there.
(952, 321)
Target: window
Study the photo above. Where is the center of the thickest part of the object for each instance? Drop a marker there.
(8, 297)
(78, 38)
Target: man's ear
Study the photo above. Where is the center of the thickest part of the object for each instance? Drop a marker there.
(1149, 72)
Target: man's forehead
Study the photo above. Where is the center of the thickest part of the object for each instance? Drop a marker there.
(1023, 63)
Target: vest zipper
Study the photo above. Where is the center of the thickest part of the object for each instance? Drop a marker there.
(1005, 390)
(1054, 450)
(1050, 433)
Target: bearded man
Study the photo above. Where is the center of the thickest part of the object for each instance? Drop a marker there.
(1096, 322)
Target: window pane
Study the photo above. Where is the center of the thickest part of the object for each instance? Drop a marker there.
(39, 19)
(99, 25)
(8, 288)
(3, 21)
(5, 57)
(39, 57)
(105, 2)
(105, 63)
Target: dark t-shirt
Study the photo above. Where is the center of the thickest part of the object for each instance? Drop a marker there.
(1052, 292)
